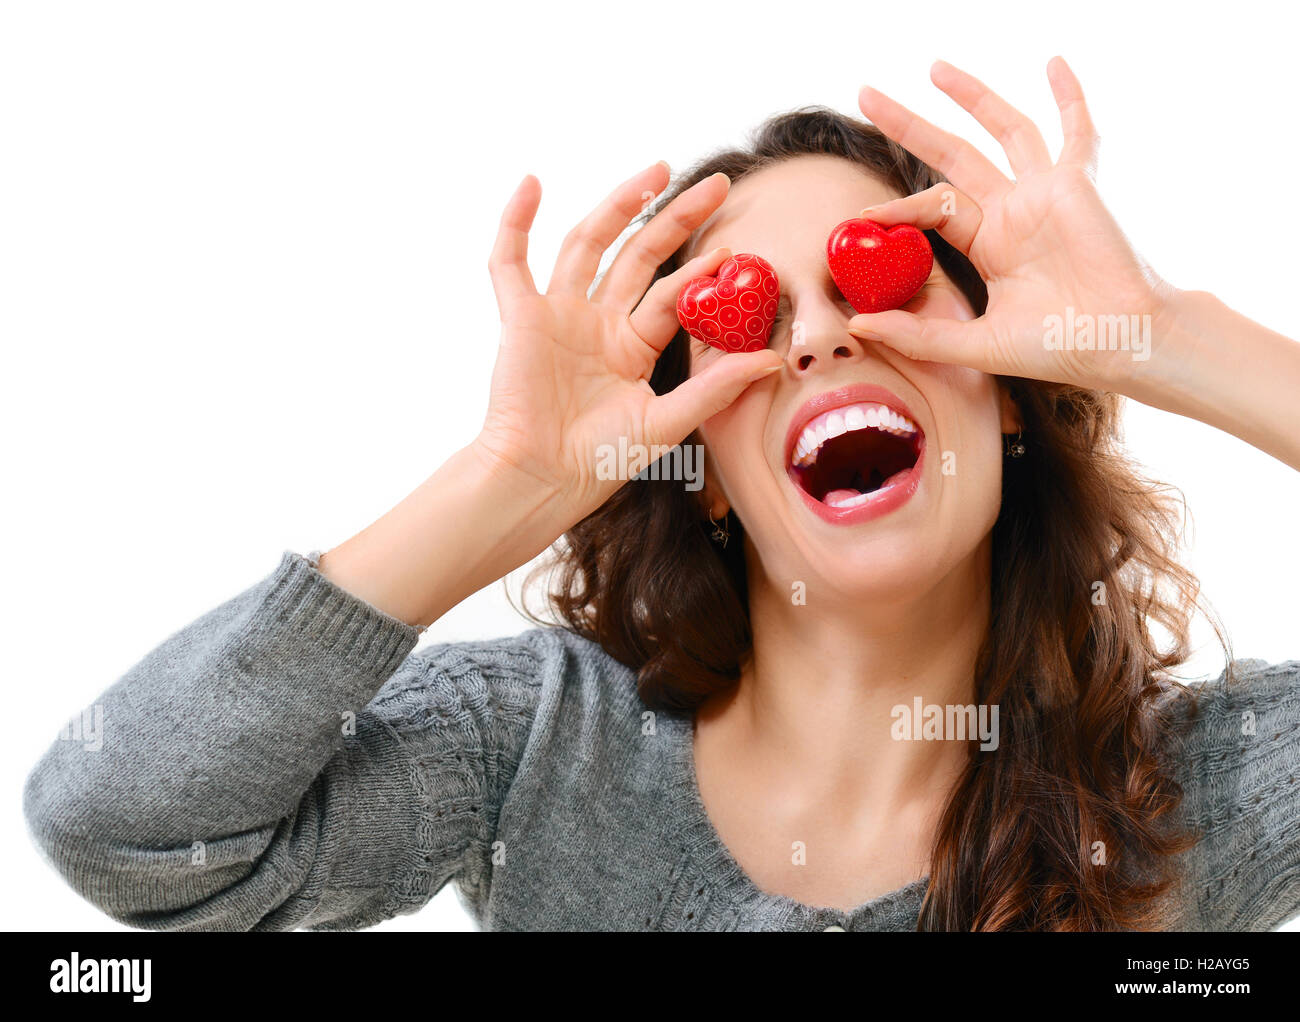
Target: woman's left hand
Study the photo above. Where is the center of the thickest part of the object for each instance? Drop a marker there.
(1044, 243)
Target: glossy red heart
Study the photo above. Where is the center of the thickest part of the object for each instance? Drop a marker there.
(878, 268)
(734, 310)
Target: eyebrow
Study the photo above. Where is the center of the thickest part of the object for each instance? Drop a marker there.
(694, 247)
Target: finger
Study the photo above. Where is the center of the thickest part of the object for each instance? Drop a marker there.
(955, 341)
(1081, 139)
(580, 252)
(671, 417)
(1017, 134)
(655, 319)
(634, 267)
(954, 158)
(942, 207)
(508, 262)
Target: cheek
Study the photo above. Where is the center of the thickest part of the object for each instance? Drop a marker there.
(733, 443)
(734, 435)
(941, 301)
(744, 417)
(967, 400)
(970, 445)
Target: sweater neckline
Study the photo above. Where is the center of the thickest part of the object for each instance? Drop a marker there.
(704, 846)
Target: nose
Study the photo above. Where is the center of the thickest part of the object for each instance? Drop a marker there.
(818, 343)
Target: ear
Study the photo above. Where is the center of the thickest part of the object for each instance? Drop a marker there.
(711, 498)
(713, 504)
(1008, 411)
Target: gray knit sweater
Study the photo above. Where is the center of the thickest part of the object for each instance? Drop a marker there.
(287, 760)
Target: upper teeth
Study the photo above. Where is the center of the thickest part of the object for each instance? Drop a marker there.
(846, 420)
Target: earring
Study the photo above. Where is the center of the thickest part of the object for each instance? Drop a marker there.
(1013, 448)
(720, 531)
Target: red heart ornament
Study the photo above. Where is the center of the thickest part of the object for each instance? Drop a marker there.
(735, 310)
(877, 268)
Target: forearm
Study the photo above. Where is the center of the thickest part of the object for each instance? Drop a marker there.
(168, 807)
(1217, 366)
(470, 523)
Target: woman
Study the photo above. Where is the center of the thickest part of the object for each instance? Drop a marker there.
(734, 729)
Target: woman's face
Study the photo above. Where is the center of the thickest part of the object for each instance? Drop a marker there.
(873, 512)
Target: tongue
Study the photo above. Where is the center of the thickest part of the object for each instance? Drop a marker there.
(847, 498)
(838, 498)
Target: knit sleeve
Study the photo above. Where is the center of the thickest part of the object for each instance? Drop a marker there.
(285, 761)
(1239, 762)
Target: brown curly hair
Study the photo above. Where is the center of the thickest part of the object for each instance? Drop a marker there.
(1084, 689)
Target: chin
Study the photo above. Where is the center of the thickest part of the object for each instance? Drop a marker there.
(899, 556)
(876, 570)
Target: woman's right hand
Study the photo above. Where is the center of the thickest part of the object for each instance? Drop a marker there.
(573, 371)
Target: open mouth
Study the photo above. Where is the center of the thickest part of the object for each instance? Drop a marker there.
(850, 456)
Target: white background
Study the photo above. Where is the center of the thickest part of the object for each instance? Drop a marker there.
(245, 306)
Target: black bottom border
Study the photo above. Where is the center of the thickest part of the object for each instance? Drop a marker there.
(214, 972)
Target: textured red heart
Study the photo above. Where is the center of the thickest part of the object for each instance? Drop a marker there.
(877, 268)
(735, 310)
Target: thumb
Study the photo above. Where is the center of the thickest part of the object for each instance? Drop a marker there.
(942, 207)
(925, 338)
(670, 417)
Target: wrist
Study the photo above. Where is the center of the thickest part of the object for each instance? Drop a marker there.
(1212, 364)
(469, 524)
(1172, 373)
(503, 515)
(527, 512)
(499, 477)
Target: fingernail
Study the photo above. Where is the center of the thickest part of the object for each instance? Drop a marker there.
(664, 164)
(869, 209)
